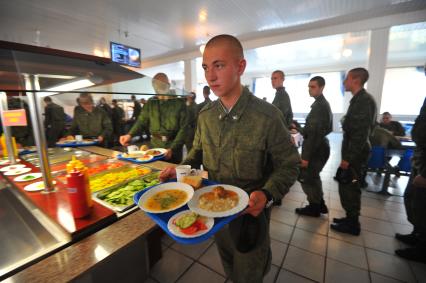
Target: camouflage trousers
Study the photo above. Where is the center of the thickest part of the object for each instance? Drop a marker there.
(312, 185)
(250, 266)
(415, 205)
(350, 194)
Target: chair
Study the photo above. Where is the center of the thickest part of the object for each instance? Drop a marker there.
(377, 158)
(405, 162)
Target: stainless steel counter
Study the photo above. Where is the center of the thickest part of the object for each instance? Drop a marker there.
(25, 233)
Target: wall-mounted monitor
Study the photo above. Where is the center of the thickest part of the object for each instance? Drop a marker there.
(126, 55)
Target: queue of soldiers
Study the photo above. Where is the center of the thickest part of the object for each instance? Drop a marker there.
(245, 141)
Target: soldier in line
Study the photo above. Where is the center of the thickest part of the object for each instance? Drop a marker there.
(241, 140)
(118, 122)
(394, 126)
(357, 125)
(315, 149)
(281, 99)
(166, 119)
(193, 110)
(90, 121)
(415, 195)
(207, 100)
(54, 121)
(137, 108)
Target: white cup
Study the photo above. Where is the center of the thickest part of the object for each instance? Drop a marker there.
(183, 170)
(79, 138)
(132, 148)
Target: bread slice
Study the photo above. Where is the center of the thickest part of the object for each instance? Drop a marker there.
(194, 181)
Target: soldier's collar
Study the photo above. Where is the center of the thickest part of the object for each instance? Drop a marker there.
(237, 110)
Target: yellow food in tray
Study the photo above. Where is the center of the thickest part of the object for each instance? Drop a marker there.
(110, 179)
(219, 199)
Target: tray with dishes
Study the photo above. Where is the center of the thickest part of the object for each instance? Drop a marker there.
(120, 197)
(75, 143)
(143, 156)
(187, 216)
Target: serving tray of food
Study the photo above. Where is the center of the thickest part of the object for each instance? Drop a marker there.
(120, 197)
(176, 216)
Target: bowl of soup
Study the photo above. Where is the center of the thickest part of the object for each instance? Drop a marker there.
(166, 197)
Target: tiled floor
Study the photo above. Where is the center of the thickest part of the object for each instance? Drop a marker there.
(304, 248)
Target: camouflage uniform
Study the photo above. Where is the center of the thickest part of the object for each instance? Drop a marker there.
(193, 110)
(414, 197)
(316, 148)
(167, 122)
(54, 123)
(91, 124)
(357, 126)
(395, 127)
(250, 148)
(282, 102)
(384, 138)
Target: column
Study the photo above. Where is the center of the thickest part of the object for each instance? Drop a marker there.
(377, 61)
(190, 75)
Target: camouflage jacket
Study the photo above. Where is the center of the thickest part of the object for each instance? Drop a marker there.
(282, 102)
(357, 125)
(248, 147)
(319, 123)
(418, 134)
(91, 124)
(54, 116)
(394, 127)
(163, 118)
(384, 138)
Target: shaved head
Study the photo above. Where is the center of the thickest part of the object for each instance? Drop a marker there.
(230, 41)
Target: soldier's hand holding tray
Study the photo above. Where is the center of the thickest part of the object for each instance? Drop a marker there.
(257, 202)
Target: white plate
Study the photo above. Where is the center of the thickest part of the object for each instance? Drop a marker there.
(6, 161)
(145, 158)
(34, 187)
(22, 177)
(12, 167)
(242, 202)
(177, 232)
(18, 171)
(161, 150)
(164, 187)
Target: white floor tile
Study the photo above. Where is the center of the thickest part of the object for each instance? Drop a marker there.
(171, 266)
(347, 253)
(286, 276)
(278, 251)
(304, 263)
(389, 265)
(381, 243)
(212, 259)
(200, 273)
(339, 272)
(280, 232)
(309, 241)
(193, 251)
(317, 225)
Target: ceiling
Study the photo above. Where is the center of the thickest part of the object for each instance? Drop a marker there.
(169, 27)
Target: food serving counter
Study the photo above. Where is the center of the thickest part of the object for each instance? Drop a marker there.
(46, 224)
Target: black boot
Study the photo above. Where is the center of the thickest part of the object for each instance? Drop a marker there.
(340, 220)
(309, 210)
(409, 239)
(323, 207)
(417, 253)
(349, 226)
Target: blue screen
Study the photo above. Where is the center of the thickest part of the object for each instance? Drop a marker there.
(123, 54)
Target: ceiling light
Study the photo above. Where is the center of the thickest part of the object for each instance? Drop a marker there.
(202, 47)
(202, 16)
(347, 52)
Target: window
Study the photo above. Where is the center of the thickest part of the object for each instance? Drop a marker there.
(403, 91)
(297, 88)
(404, 82)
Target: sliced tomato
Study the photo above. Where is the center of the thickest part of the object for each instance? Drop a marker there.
(190, 230)
(200, 225)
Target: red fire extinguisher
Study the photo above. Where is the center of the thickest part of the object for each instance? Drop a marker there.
(77, 194)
